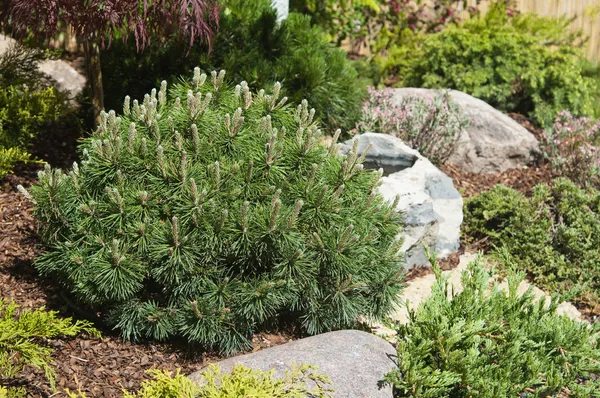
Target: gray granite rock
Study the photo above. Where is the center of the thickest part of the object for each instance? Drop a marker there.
(354, 360)
(432, 207)
(493, 143)
(67, 79)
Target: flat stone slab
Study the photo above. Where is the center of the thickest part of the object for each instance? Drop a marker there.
(354, 360)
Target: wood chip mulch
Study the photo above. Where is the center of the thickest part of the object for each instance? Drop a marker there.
(522, 180)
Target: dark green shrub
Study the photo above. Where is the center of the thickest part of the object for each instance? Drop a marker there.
(22, 335)
(209, 217)
(555, 234)
(483, 342)
(513, 64)
(252, 47)
(28, 103)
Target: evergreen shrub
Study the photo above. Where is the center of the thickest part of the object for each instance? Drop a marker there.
(22, 335)
(512, 63)
(555, 234)
(29, 102)
(210, 212)
(486, 342)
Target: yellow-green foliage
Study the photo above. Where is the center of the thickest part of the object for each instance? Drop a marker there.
(166, 385)
(21, 332)
(12, 392)
(28, 103)
(241, 382)
(9, 157)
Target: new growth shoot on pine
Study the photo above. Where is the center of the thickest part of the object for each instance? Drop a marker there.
(208, 212)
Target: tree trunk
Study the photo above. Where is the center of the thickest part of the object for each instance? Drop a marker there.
(94, 75)
(71, 40)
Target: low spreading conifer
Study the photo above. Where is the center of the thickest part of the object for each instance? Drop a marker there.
(211, 211)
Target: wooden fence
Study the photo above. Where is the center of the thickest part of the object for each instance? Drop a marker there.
(586, 13)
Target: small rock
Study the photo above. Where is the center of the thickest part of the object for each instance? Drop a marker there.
(66, 77)
(354, 360)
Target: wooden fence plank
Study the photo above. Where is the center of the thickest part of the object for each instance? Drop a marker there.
(589, 24)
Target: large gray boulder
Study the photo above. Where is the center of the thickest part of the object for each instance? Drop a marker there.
(66, 78)
(493, 143)
(431, 206)
(354, 360)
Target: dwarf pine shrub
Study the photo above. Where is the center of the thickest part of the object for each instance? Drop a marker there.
(486, 342)
(210, 211)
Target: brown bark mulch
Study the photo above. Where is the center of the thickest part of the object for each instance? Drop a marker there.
(522, 180)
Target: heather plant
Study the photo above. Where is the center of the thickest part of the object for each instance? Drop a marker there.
(23, 335)
(572, 148)
(555, 234)
(486, 342)
(509, 62)
(208, 212)
(431, 125)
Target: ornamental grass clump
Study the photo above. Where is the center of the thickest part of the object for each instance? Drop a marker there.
(208, 212)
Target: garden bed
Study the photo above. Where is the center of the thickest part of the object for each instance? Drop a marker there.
(102, 367)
